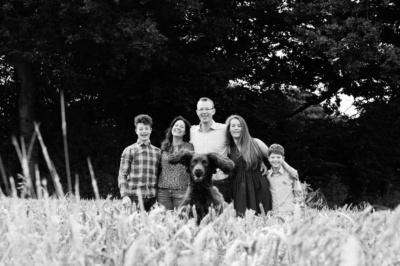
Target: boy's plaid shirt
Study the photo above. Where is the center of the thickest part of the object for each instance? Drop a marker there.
(139, 170)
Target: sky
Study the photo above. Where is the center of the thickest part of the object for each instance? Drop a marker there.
(346, 106)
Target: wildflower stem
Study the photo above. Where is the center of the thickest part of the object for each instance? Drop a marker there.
(64, 132)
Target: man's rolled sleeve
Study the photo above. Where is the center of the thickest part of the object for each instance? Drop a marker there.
(126, 160)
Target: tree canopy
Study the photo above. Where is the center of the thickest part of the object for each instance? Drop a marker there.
(279, 64)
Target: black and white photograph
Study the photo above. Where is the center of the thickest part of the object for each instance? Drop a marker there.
(199, 133)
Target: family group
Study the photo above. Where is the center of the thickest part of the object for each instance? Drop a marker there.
(146, 175)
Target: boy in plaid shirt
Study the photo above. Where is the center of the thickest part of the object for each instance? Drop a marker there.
(139, 167)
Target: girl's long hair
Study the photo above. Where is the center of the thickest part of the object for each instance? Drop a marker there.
(167, 142)
(249, 149)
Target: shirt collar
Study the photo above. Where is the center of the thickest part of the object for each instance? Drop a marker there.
(213, 126)
(280, 171)
(146, 143)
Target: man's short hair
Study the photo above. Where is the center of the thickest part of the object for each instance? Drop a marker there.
(205, 99)
(144, 119)
(277, 149)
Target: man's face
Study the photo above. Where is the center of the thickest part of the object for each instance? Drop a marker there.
(205, 111)
(143, 131)
(276, 160)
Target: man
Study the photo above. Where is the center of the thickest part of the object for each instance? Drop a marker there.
(210, 136)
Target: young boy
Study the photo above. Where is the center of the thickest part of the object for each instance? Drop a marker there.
(283, 181)
(139, 166)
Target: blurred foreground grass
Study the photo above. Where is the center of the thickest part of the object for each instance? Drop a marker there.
(70, 231)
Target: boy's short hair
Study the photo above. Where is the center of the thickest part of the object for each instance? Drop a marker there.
(277, 149)
(144, 119)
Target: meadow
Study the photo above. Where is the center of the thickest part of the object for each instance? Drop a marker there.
(71, 231)
(67, 230)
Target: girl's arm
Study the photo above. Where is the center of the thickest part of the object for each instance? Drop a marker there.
(264, 151)
(263, 147)
(292, 172)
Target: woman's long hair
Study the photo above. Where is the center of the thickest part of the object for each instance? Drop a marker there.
(167, 142)
(249, 149)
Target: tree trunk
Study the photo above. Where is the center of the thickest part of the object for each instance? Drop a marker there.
(26, 106)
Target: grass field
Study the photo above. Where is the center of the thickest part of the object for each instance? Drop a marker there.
(70, 231)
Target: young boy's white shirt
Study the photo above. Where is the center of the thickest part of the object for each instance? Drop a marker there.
(285, 188)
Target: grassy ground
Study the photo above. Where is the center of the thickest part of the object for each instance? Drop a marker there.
(70, 231)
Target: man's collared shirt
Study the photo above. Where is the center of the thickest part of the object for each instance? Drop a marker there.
(214, 140)
(284, 186)
(139, 170)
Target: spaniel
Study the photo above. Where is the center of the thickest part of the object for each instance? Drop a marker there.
(201, 194)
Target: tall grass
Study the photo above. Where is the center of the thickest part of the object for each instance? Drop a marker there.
(70, 231)
(65, 230)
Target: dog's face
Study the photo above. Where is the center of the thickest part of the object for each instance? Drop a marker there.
(202, 166)
(199, 167)
(201, 194)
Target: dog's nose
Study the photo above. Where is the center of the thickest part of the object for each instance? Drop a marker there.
(198, 172)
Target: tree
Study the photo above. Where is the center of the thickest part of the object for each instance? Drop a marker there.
(344, 45)
(373, 150)
(50, 45)
(273, 62)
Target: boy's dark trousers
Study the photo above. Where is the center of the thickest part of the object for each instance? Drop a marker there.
(147, 202)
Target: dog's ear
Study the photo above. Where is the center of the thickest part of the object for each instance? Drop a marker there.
(183, 157)
(221, 162)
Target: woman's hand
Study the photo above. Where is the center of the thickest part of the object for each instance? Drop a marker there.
(264, 169)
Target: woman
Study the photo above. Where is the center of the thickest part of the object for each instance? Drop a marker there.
(250, 188)
(174, 179)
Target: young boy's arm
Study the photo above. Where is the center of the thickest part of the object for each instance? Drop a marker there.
(297, 191)
(124, 169)
(158, 166)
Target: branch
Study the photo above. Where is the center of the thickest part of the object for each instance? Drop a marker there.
(324, 96)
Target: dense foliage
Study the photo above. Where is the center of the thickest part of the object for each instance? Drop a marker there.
(279, 64)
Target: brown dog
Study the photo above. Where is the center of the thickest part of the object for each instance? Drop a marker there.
(201, 194)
